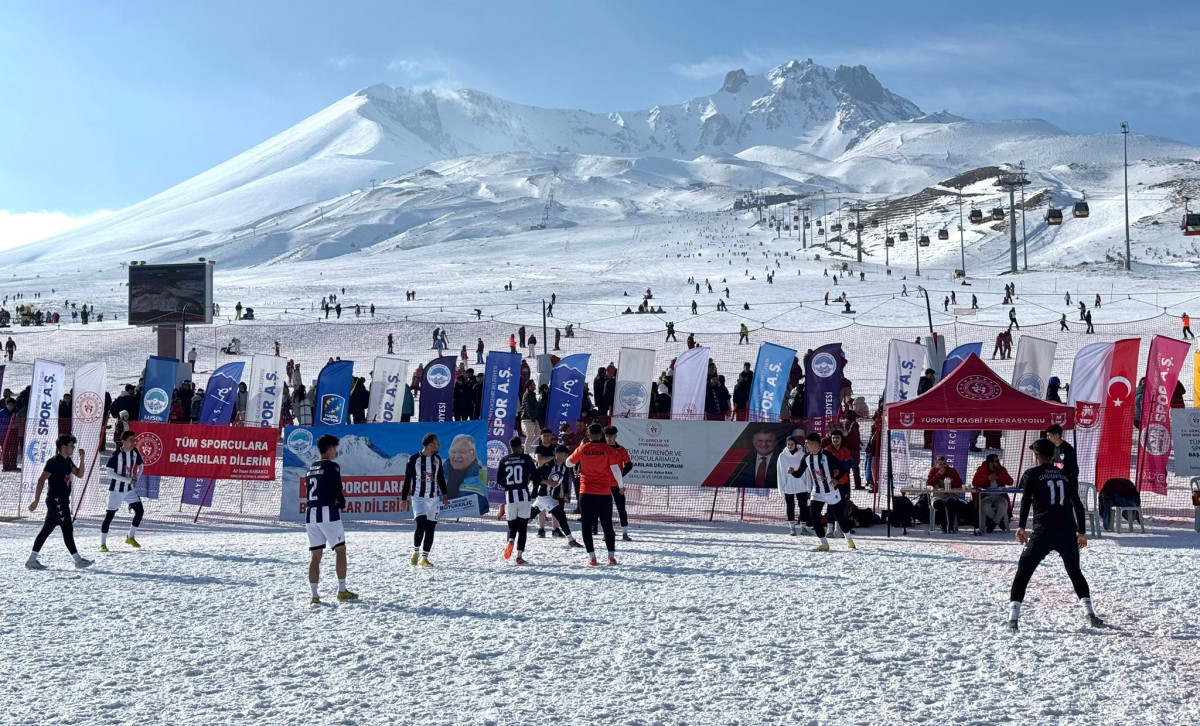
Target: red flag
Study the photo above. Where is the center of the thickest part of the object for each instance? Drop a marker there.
(1116, 426)
(1167, 357)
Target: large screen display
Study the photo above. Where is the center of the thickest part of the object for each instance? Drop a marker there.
(160, 294)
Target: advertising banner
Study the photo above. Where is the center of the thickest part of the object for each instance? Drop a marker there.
(387, 389)
(437, 390)
(823, 387)
(41, 423)
(1185, 435)
(333, 393)
(1163, 367)
(635, 373)
(955, 445)
(1089, 376)
(566, 392)
(157, 388)
(207, 452)
(501, 379)
(373, 458)
(689, 383)
(87, 413)
(770, 381)
(217, 409)
(264, 390)
(700, 453)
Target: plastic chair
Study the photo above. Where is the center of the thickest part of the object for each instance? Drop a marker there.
(1091, 507)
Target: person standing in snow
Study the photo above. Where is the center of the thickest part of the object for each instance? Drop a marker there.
(58, 472)
(1012, 318)
(323, 517)
(795, 496)
(123, 468)
(819, 470)
(425, 485)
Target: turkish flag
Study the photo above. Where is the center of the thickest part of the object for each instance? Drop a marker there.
(1116, 427)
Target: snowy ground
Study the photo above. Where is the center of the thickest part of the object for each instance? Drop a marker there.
(699, 625)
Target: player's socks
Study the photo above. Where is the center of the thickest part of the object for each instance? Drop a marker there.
(132, 532)
(792, 526)
(132, 542)
(104, 541)
(1016, 611)
(342, 584)
(508, 550)
(80, 562)
(103, 547)
(312, 586)
(1086, 602)
(33, 564)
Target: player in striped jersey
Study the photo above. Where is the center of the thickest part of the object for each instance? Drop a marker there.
(425, 484)
(515, 473)
(820, 471)
(543, 453)
(323, 517)
(123, 468)
(553, 489)
(618, 492)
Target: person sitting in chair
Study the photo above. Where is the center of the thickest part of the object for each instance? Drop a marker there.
(991, 474)
(943, 476)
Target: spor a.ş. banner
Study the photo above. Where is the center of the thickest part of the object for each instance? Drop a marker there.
(41, 423)
(373, 458)
(700, 453)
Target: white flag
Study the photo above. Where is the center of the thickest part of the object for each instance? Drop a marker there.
(1089, 390)
(87, 412)
(41, 422)
(264, 390)
(387, 389)
(903, 371)
(1031, 371)
(635, 372)
(690, 383)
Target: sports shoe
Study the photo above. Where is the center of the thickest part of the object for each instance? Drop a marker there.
(626, 538)
(807, 531)
(521, 561)
(591, 562)
(508, 548)
(1095, 621)
(612, 560)
(1012, 625)
(574, 543)
(315, 601)
(821, 548)
(557, 533)
(34, 565)
(346, 595)
(425, 562)
(850, 544)
(132, 543)
(542, 533)
(104, 548)
(415, 558)
(82, 563)
(793, 530)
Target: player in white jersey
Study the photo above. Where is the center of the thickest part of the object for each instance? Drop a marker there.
(515, 473)
(323, 517)
(425, 485)
(123, 468)
(553, 488)
(820, 470)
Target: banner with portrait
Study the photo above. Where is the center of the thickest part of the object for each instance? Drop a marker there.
(373, 458)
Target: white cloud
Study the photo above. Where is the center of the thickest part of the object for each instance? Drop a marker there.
(341, 62)
(18, 228)
(427, 70)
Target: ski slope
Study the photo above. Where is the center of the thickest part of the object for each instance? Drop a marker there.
(698, 625)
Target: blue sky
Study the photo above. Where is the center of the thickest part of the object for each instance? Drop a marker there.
(105, 104)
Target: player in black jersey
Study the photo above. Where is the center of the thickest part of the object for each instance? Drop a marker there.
(58, 471)
(553, 489)
(323, 516)
(515, 473)
(543, 454)
(618, 492)
(1058, 526)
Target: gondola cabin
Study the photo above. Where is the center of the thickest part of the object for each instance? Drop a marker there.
(889, 242)
(836, 227)
(851, 226)
(820, 230)
(1054, 217)
(943, 233)
(874, 224)
(997, 214)
(976, 216)
(923, 240)
(1191, 224)
(903, 236)
(1081, 210)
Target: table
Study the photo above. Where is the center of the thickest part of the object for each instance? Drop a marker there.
(982, 492)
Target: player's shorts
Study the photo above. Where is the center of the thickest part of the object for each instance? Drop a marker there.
(116, 498)
(545, 504)
(322, 534)
(517, 510)
(426, 507)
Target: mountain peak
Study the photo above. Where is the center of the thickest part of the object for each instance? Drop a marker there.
(734, 80)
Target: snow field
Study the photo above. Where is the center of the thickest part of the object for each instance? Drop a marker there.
(699, 625)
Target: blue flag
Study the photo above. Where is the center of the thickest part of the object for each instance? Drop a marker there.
(566, 392)
(220, 401)
(501, 394)
(771, 372)
(157, 387)
(823, 388)
(333, 393)
(956, 445)
(437, 390)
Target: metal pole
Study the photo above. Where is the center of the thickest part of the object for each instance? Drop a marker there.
(1012, 228)
(917, 246)
(858, 231)
(1024, 235)
(804, 229)
(544, 350)
(887, 251)
(962, 245)
(1128, 258)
